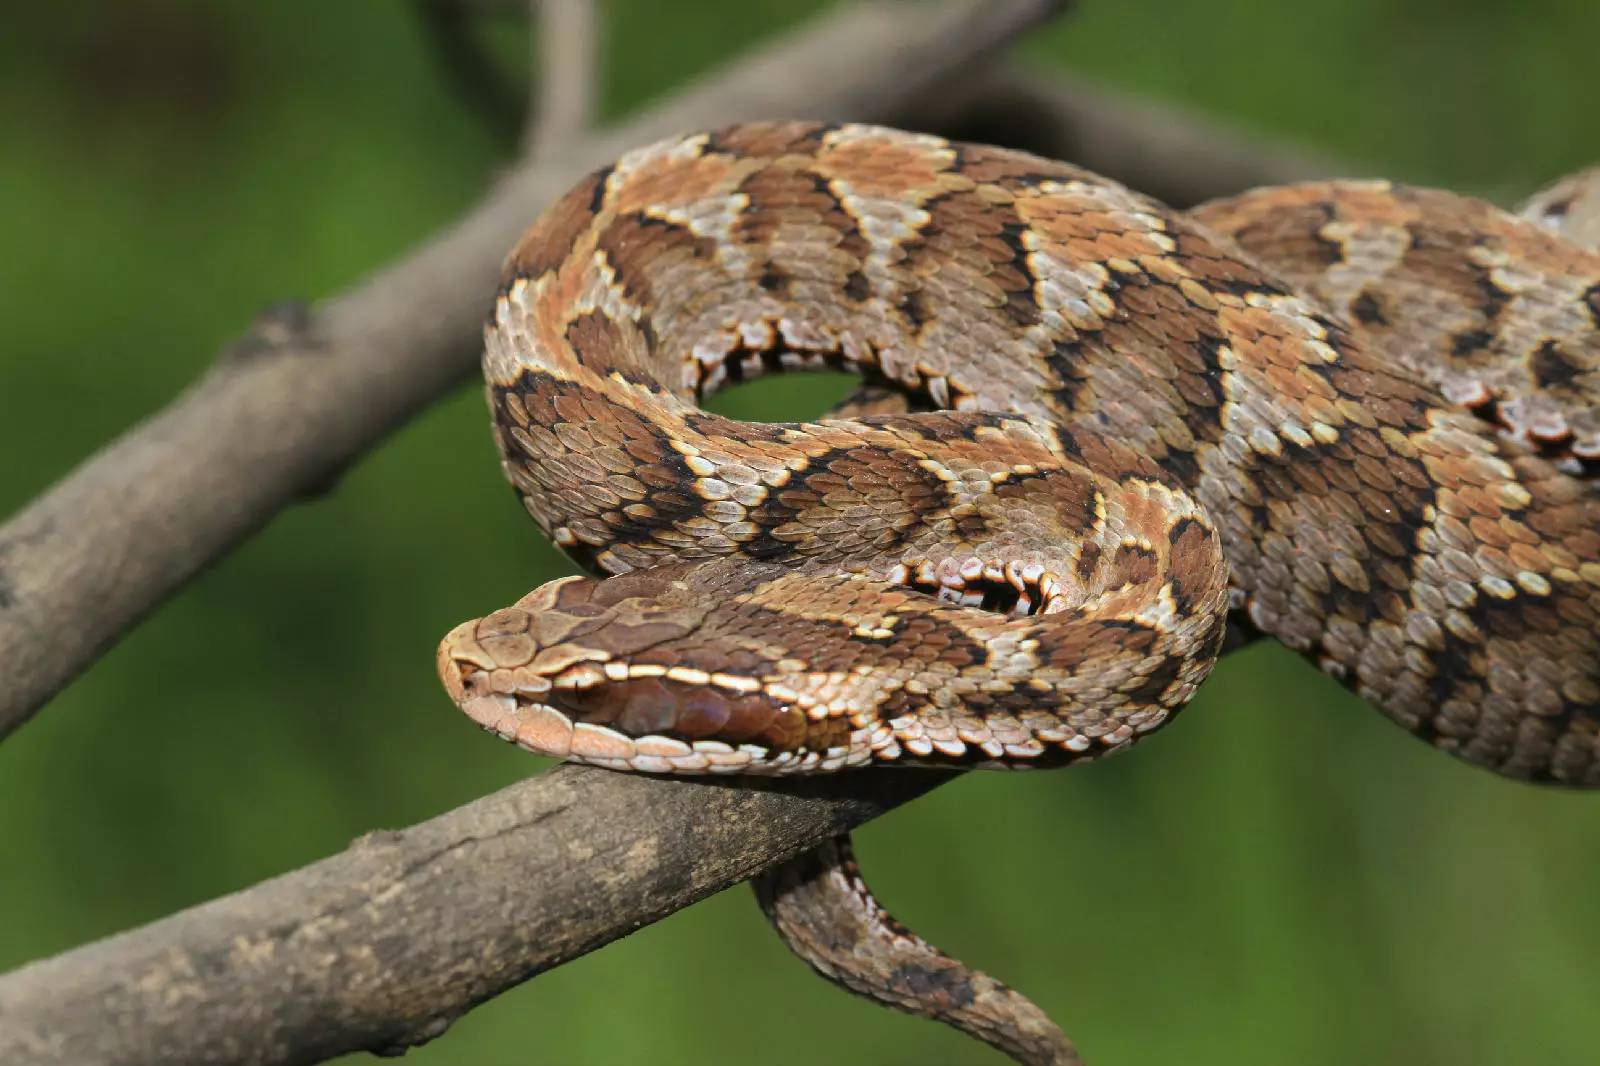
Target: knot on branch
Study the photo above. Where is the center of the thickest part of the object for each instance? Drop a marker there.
(277, 328)
(429, 1029)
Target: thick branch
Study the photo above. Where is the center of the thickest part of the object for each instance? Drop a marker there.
(387, 943)
(284, 411)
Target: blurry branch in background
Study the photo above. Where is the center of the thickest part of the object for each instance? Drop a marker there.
(286, 409)
(1172, 154)
(566, 57)
(565, 39)
(384, 945)
(488, 90)
(1180, 157)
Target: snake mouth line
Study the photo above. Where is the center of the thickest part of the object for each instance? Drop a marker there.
(546, 730)
(1009, 588)
(573, 712)
(545, 713)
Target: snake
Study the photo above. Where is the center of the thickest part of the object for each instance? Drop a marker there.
(1094, 440)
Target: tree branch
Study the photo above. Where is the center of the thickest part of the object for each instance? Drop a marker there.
(487, 90)
(566, 58)
(1178, 156)
(387, 943)
(284, 411)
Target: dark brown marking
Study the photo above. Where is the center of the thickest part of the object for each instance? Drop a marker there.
(638, 247)
(769, 139)
(549, 241)
(1366, 310)
(1552, 369)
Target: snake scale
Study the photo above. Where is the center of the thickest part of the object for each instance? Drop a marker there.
(1357, 417)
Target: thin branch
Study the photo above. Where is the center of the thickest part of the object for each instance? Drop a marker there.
(488, 91)
(1175, 155)
(282, 414)
(566, 61)
(387, 943)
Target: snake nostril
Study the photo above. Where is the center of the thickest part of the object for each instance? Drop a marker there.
(473, 681)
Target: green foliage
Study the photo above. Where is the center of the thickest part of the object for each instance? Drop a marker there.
(1280, 877)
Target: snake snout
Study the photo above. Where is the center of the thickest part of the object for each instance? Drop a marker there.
(454, 670)
(467, 672)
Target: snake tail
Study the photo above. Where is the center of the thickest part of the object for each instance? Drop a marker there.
(826, 914)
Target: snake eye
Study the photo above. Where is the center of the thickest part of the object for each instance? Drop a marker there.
(1010, 588)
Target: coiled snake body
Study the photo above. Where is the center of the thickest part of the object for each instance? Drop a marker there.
(1091, 429)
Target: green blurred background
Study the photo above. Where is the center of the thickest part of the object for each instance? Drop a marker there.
(1281, 877)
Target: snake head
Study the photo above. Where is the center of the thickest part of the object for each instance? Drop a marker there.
(737, 666)
(595, 671)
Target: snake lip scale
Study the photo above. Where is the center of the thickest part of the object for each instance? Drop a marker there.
(1357, 417)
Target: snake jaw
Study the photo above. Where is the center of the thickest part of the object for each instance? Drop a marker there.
(573, 701)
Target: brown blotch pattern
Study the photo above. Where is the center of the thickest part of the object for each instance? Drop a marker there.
(1273, 400)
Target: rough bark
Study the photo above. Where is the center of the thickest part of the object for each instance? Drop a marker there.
(385, 944)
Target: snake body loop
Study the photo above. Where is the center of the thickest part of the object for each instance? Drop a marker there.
(1361, 416)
